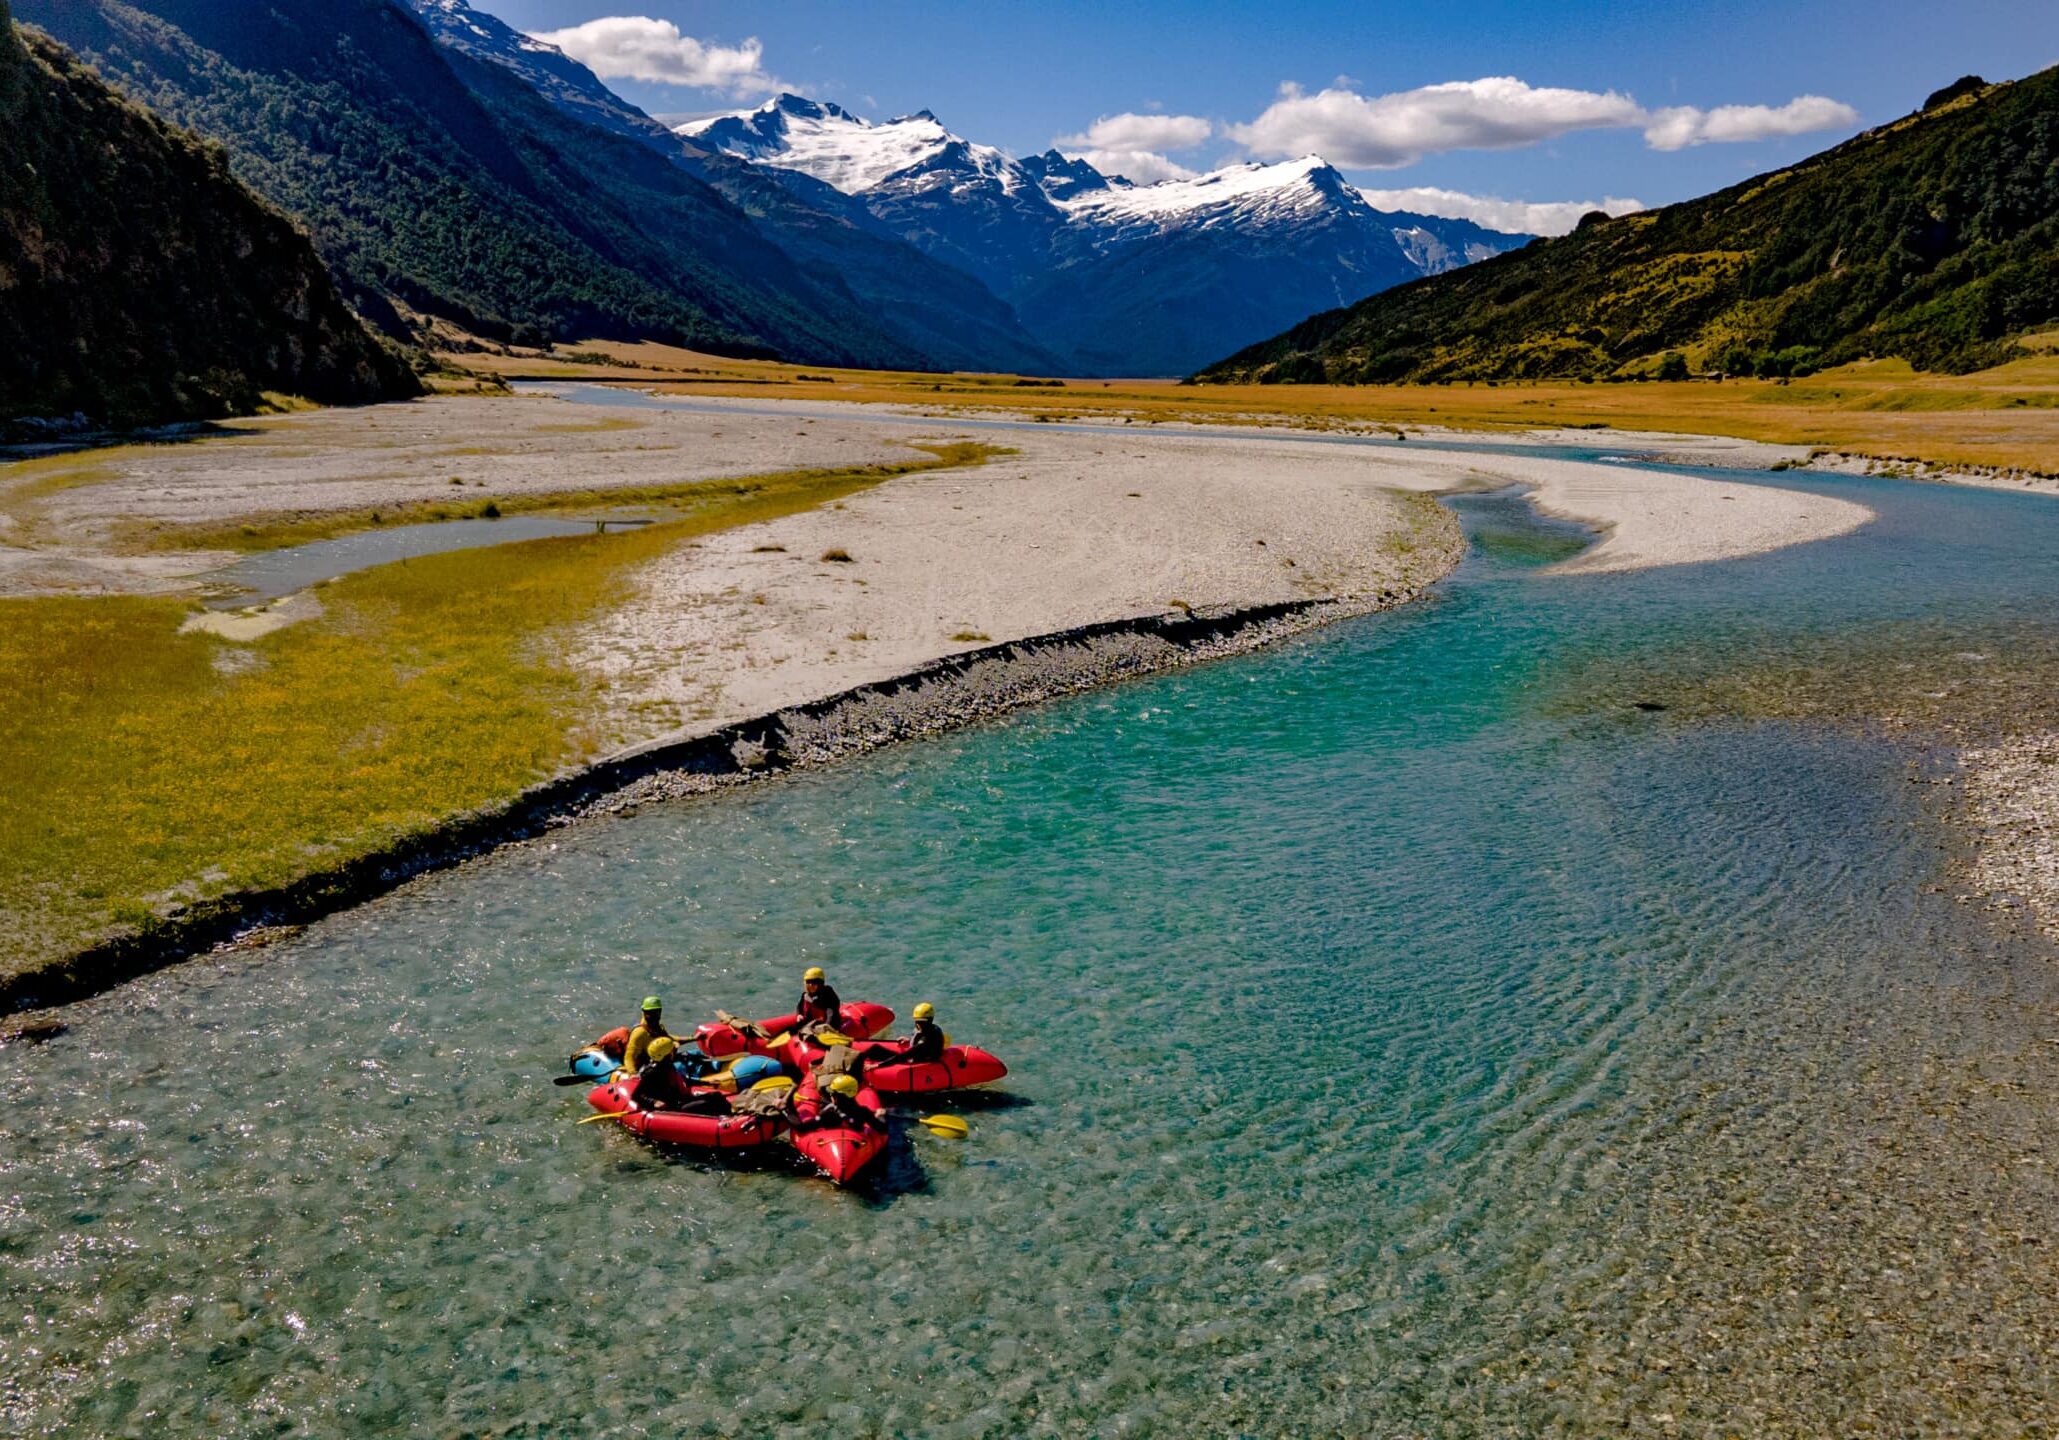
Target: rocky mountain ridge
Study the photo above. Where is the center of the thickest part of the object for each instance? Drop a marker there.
(1114, 277)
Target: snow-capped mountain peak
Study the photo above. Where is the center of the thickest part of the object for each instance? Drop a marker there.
(1281, 192)
(846, 151)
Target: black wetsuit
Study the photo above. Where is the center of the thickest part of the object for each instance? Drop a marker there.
(821, 1008)
(925, 1043)
(837, 1113)
(660, 1086)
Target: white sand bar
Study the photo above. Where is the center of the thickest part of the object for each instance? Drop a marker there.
(1084, 525)
(1079, 525)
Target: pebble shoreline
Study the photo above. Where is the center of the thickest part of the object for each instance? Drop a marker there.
(929, 700)
(2010, 802)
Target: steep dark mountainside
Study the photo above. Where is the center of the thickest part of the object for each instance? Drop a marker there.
(1115, 278)
(932, 308)
(139, 282)
(464, 197)
(1934, 239)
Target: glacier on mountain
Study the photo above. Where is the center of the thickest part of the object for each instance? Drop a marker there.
(862, 157)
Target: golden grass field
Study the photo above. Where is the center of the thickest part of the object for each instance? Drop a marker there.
(2005, 418)
(148, 766)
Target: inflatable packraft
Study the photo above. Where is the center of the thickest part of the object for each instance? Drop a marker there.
(671, 1127)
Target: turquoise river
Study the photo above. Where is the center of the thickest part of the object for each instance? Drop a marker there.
(1403, 1044)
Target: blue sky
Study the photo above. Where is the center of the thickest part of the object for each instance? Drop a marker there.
(1604, 83)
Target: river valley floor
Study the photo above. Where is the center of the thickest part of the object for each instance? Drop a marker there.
(1615, 1041)
(453, 682)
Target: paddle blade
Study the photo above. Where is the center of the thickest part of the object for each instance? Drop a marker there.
(573, 1080)
(949, 1125)
(831, 1037)
(774, 1082)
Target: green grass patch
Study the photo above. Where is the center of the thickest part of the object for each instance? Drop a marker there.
(282, 529)
(147, 767)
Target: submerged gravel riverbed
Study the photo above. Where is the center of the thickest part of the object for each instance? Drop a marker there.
(1392, 1053)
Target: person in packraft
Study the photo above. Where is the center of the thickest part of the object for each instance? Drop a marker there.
(921, 1045)
(662, 1085)
(636, 1051)
(820, 1008)
(839, 1109)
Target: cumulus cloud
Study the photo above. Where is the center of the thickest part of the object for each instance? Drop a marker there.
(1385, 132)
(1679, 126)
(1526, 217)
(1131, 131)
(1145, 167)
(1134, 146)
(636, 47)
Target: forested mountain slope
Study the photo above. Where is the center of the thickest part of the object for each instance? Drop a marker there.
(1933, 239)
(478, 202)
(139, 282)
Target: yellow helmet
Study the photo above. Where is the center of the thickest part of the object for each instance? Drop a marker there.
(813, 972)
(925, 1011)
(662, 1048)
(844, 1085)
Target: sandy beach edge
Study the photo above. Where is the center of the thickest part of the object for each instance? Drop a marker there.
(927, 700)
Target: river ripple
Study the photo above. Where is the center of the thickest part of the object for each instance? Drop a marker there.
(1393, 1055)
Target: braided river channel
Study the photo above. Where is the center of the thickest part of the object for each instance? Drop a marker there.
(1406, 1040)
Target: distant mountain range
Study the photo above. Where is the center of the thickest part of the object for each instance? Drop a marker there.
(450, 168)
(1934, 238)
(139, 283)
(437, 186)
(1113, 277)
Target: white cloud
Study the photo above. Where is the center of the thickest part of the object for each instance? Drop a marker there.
(636, 47)
(1527, 217)
(1142, 166)
(1131, 131)
(1683, 125)
(1133, 145)
(1385, 132)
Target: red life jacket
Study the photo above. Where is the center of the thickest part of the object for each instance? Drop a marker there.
(615, 1042)
(824, 1008)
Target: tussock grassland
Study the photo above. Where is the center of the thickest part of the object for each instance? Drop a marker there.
(148, 767)
(282, 529)
(2006, 417)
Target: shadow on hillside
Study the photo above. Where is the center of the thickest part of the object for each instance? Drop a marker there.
(15, 445)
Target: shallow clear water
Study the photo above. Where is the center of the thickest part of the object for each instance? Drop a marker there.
(1392, 1054)
(269, 574)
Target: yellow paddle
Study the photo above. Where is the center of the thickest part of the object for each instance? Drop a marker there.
(949, 1125)
(830, 1037)
(774, 1082)
(607, 1115)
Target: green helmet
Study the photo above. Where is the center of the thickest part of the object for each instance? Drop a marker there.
(652, 1002)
